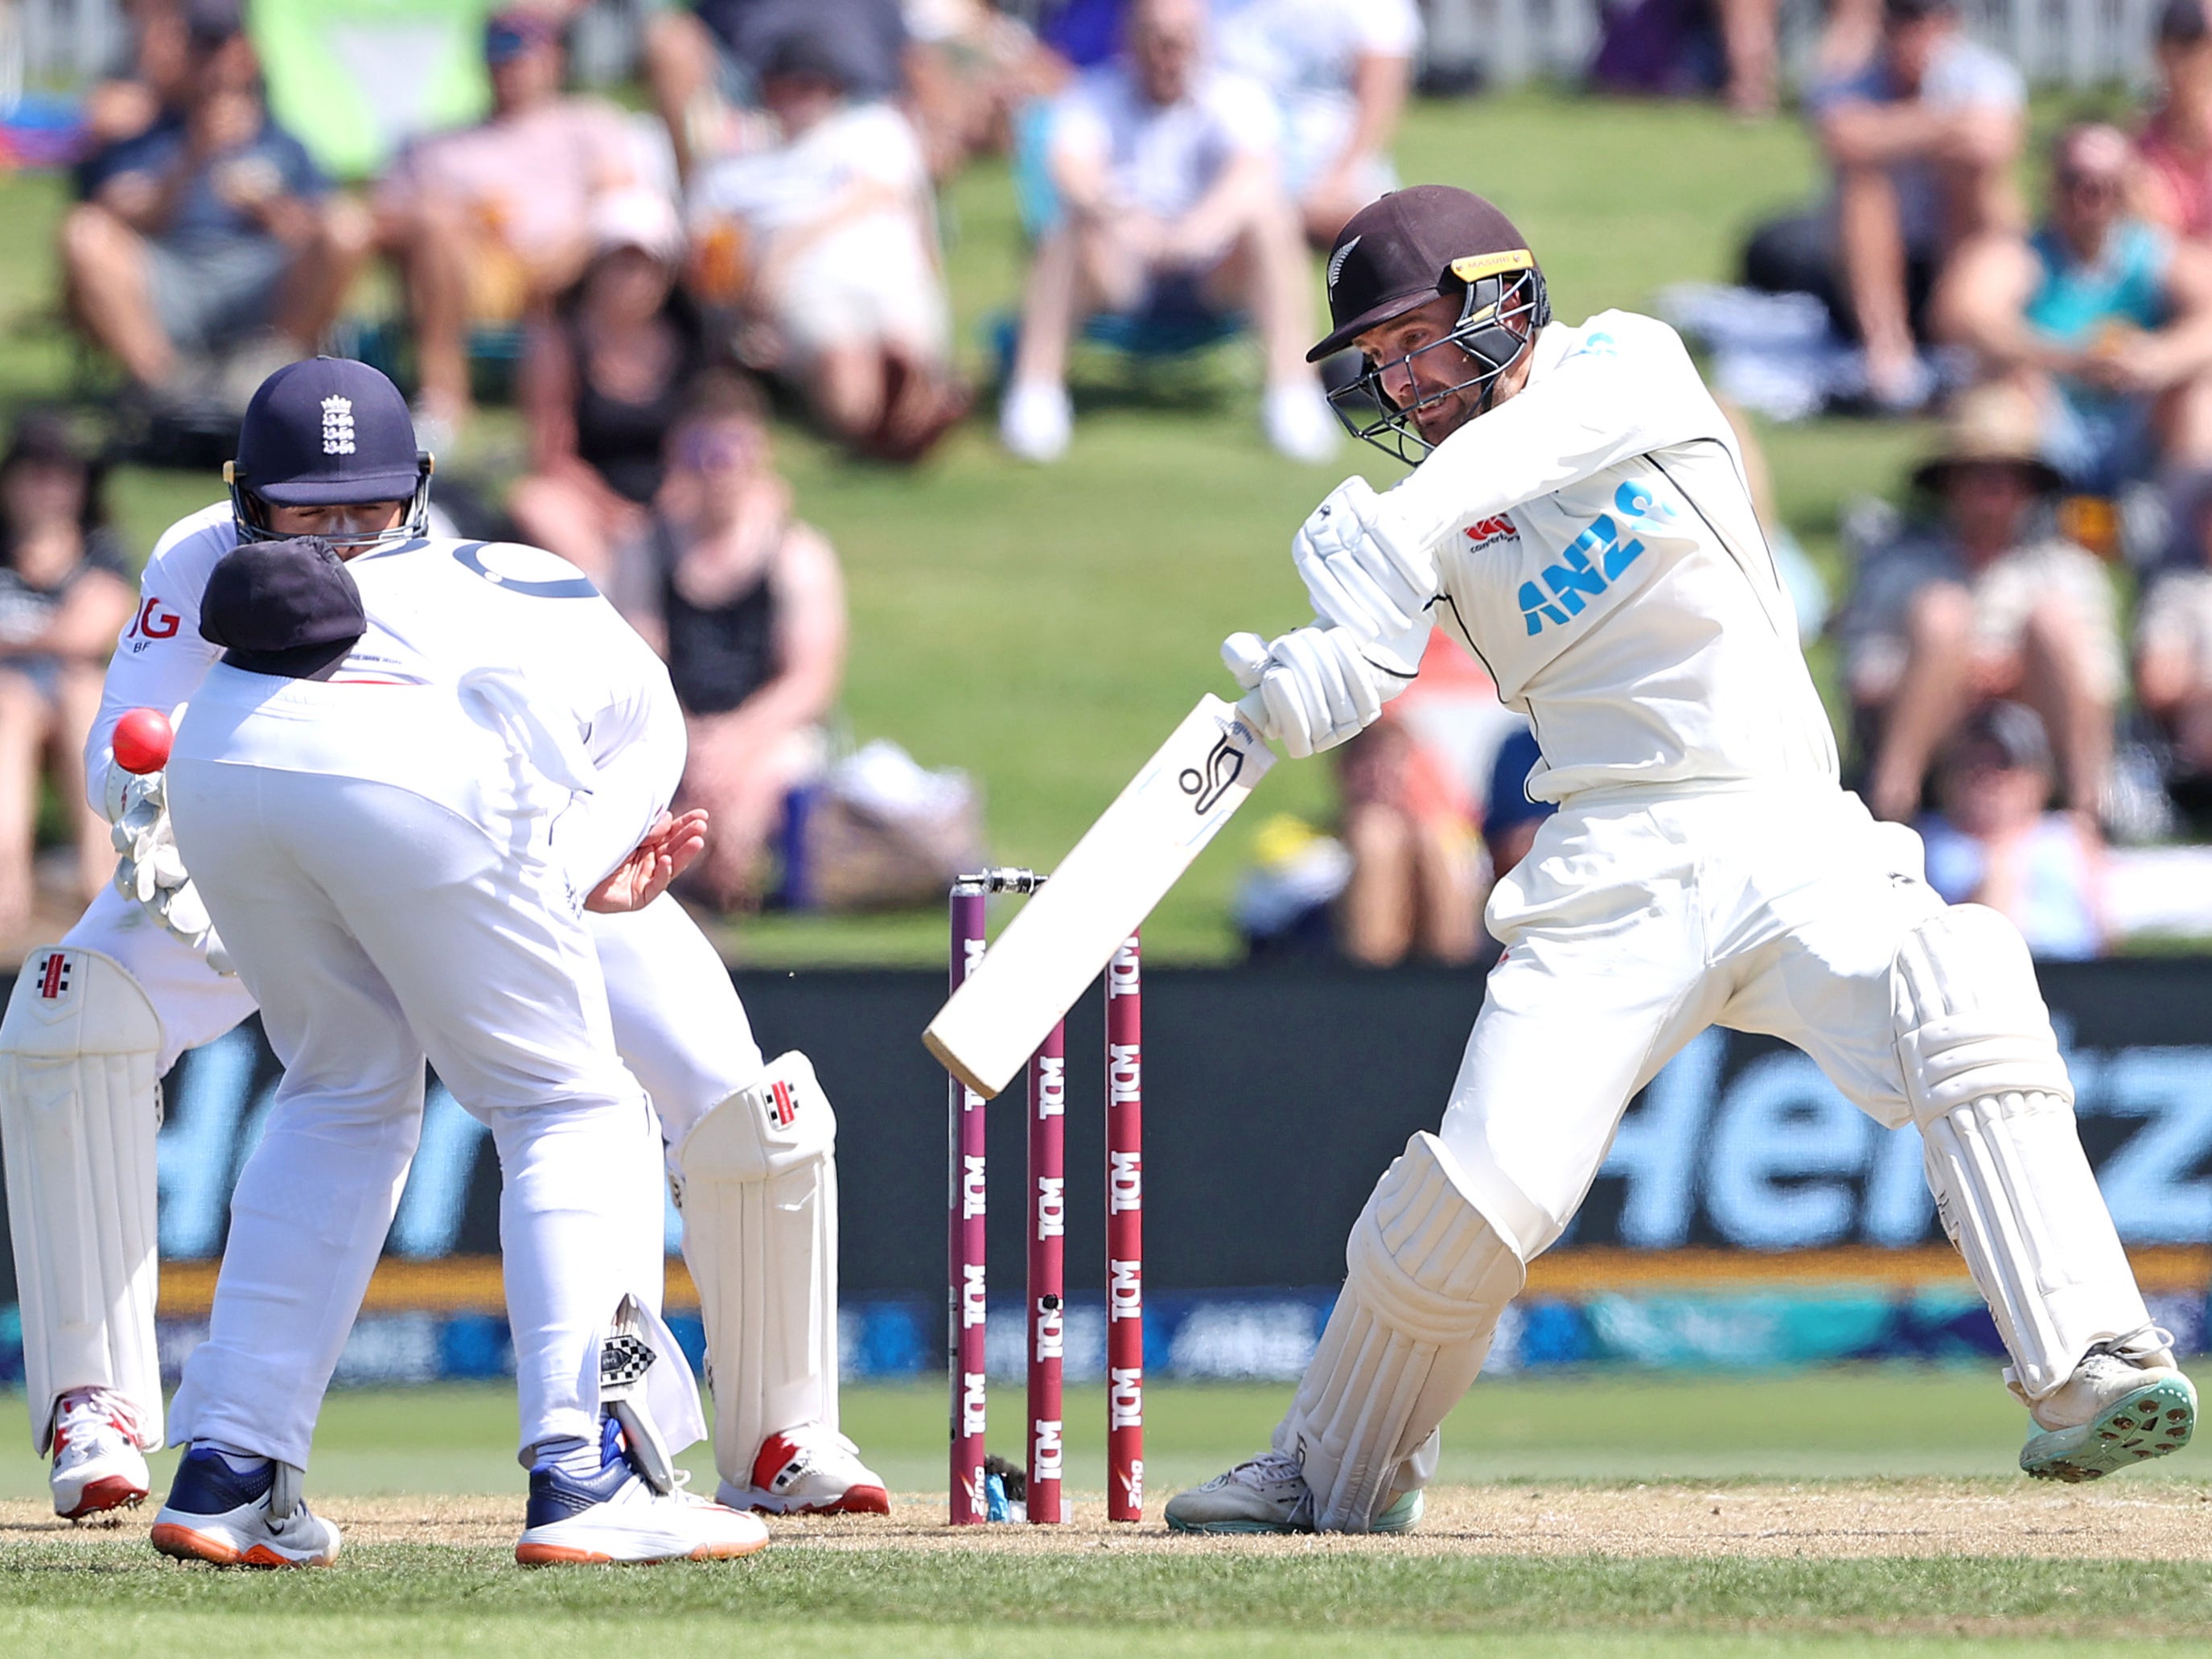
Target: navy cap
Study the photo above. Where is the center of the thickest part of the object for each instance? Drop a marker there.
(288, 607)
(327, 432)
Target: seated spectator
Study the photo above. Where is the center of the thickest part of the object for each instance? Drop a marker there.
(1166, 174)
(151, 84)
(971, 67)
(1339, 71)
(64, 596)
(2174, 656)
(1993, 843)
(1988, 602)
(1922, 140)
(746, 605)
(2175, 186)
(2104, 320)
(210, 233)
(706, 63)
(487, 223)
(1689, 48)
(605, 374)
(837, 256)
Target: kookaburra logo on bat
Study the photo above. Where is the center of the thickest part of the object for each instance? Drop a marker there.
(1223, 765)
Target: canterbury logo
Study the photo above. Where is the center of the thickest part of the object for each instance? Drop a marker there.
(1336, 260)
(1223, 767)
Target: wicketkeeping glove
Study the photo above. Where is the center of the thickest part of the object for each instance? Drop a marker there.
(1363, 569)
(151, 872)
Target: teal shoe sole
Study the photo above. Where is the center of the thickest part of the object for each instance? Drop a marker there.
(2151, 1422)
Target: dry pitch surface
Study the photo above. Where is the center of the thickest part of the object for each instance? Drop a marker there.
(2141, 1520)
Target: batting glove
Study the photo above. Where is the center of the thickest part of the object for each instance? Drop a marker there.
(1363, 569)
(1310, 690)
(151, 872)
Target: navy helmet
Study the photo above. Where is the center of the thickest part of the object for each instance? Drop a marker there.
(327, 432)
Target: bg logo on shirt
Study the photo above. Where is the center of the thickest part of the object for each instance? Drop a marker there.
(1591, 563)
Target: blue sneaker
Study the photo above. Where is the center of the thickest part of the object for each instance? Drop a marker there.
(257, 1519)
(592, 1505)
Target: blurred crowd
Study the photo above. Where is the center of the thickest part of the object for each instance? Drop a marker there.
(2025, 634)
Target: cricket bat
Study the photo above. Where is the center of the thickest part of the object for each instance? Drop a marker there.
(1101, 893)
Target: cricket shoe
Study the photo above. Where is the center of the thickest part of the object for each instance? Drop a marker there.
(234, 1518)
(593, 1504)
(97, 1464)
(2115, 1411)
(809, 1470)
(1268, 1493)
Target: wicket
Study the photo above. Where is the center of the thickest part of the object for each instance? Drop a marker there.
(1045, 1102)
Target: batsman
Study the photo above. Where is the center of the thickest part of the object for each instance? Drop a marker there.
(1578, 517)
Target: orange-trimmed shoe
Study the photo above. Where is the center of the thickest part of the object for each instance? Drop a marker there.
(610, 1514)
(218, 1515)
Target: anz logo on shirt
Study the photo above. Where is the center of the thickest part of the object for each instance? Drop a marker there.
(1592, 561)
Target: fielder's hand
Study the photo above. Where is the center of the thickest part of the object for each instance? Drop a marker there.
(667, 851)
(1311, 688)
(150, 871)
(1361, 569)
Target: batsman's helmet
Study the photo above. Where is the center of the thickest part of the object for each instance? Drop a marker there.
(327, 432)
(1395, 255)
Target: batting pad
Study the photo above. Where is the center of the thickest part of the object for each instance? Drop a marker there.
(1994, 1108)
(80, 1106)
(1427, 1276)
(756, 1180)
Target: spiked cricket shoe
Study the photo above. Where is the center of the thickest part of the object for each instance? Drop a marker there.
(2111, 1413)
(231, 1519)
(98, 1466)
(809, 1470)
(1268, 1493)
(612, 1516)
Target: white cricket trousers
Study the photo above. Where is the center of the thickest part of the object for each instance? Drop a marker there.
(375, 927)
(1638, 919)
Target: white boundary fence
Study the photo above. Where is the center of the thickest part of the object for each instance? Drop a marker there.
(2059, 43)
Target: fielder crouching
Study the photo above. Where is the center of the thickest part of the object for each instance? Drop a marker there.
(327, 449)
(1579, 517)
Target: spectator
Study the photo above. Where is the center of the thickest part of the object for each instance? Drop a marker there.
(1988, 603)
(488, 221)
(2175, 147)
(1166, 173)
(1415, 886)
(210, 231)
(2104, 320)
(64, 596)
(604, 373)
(1922, 140)
(1509, 819)
(1339, 71)
(706, 63)
(835, 226)
(2173, 656)
(746, 605)
(969, 67)
(153, 85)
(1688, 48)
(1993, 843)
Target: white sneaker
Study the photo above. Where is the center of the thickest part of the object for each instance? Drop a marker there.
(1269, 1493)
(97, 1464)
(231, 1519)
(809, 1470)
(1299, 422)
(610, 1514)
(1037, 420)
(2116, 1410)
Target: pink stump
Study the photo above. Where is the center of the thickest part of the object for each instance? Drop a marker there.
(1047, 1271)
(965, 1287)
(1125, 1236)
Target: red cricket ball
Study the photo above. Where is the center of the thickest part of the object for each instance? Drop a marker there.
(142, 740)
